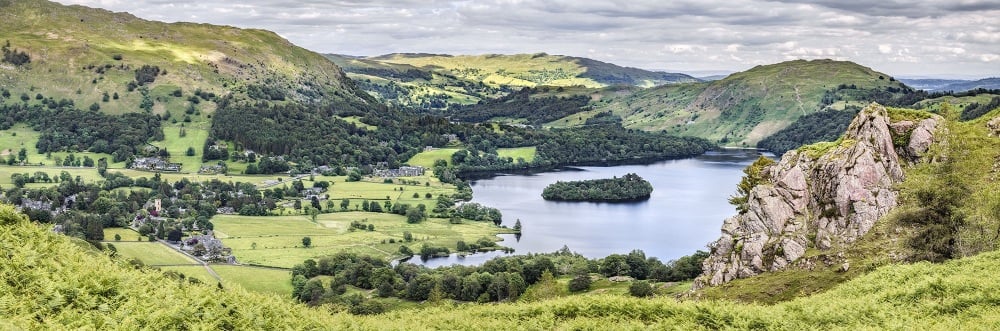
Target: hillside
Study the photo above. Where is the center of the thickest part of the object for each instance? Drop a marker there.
(432, 81)
(746, 107)
(80, 53)
(56, 283)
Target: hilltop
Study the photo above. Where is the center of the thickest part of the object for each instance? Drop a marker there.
(433, 81)
(746, 107)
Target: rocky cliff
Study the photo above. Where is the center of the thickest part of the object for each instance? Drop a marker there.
(820, 196)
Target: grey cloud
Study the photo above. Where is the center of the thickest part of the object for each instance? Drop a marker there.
(676, 35)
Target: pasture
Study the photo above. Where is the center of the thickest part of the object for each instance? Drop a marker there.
(277, 240)
(152, 253)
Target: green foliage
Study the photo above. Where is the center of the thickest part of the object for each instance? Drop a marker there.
(754, 175)
(146, 74)
(820, 126)
(640, 289)
(521, 105)
(579, 283)
(630, 187)
(64, 128)
(14, 56)
(65, 285)
(975, 110)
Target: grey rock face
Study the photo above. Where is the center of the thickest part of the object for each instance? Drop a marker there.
(820, 199)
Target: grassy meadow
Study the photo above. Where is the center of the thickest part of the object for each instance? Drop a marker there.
(277, 240)
(152, 253)
(426, 159)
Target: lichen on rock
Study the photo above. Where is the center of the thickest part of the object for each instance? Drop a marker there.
(818, 199)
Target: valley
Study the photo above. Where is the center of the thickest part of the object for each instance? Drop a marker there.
(174, 175)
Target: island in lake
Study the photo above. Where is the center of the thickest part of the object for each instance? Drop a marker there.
(631, 187)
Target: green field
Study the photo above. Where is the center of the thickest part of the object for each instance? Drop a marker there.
(356, 120)
(194, 137)
(152, 253)
(426, 158)
(126, 234)
(527, 153)
(87, 175)
(264, 280)
(278, 239)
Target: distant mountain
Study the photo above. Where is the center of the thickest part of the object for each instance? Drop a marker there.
(991, 83)
(745, 107)
(930, 84)
(432, 81)
(712, 77)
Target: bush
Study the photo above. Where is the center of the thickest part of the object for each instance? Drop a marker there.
(640, 289)
(580, 283)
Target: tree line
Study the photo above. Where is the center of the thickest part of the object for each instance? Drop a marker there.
(499, 279)
(65, 128)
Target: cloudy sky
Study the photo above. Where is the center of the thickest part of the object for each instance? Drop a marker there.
(956, 38)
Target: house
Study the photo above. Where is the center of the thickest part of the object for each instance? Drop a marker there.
(155, 164)
(404, 171)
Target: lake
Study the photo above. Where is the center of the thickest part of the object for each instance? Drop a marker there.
(683, 214)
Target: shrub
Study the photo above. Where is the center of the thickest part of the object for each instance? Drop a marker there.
(640, 289)
(580, 283)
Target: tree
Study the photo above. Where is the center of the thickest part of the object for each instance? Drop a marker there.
(118, 237)
(405, 250)
(190, 151)
(614, 265)
(517, 226)
(579, 283)
(414, 215)
(641, 289)
(306, 242)
(407, 236)
(313, 213)
(754, 175)
(344, 204)
(22, 155)
(174, 235)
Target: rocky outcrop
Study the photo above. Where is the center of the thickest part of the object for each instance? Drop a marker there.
(821, 196)
(994, 126)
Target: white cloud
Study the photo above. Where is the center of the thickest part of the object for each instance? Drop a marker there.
(954, 37)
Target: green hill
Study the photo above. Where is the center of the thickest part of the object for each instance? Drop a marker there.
(748, 106)
(80, 53)
(171, 77)
(53, 282)
(433, 81)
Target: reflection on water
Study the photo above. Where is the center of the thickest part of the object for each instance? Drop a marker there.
(683, 214)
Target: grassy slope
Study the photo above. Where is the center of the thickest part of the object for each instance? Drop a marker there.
(725, 108)
(68, 44)
(59, 284)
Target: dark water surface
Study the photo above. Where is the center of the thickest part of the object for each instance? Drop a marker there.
(684, 213)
